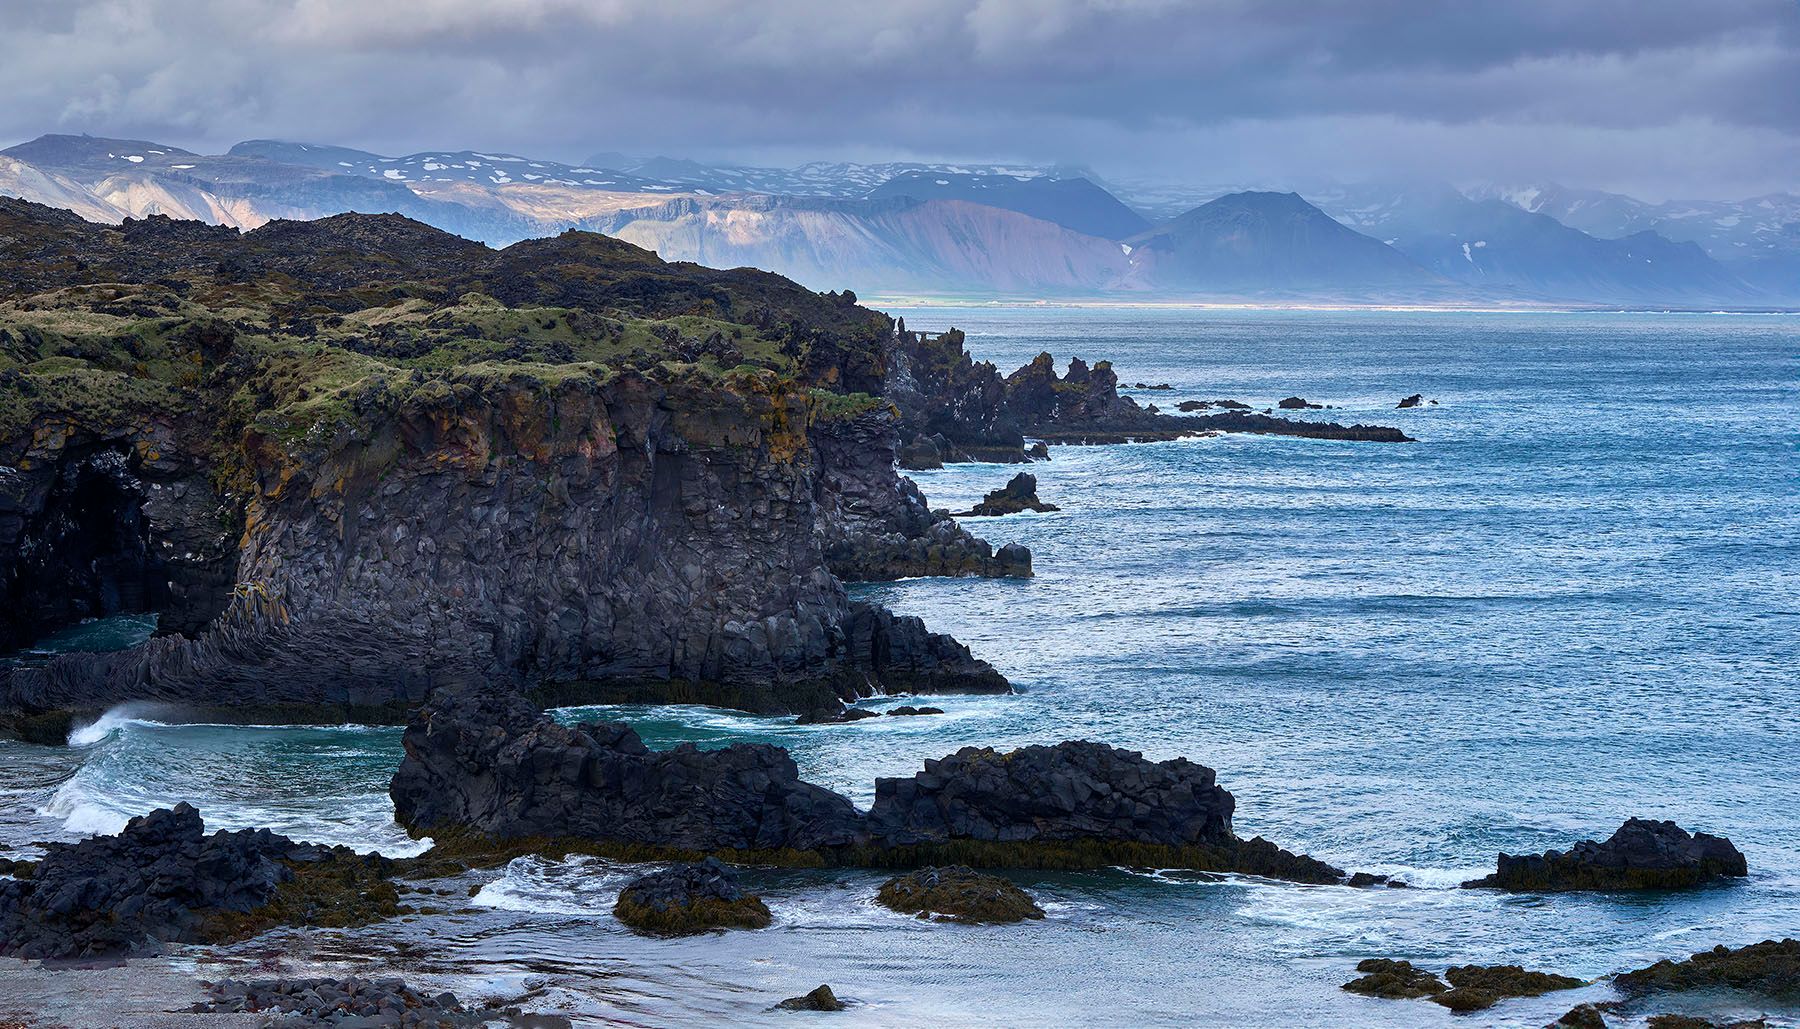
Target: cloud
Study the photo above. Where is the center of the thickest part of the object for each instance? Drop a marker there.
(1205, 89)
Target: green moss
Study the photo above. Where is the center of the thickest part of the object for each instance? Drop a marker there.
(958, 894)
(704, 915)
(1394, 980)
(339, 892)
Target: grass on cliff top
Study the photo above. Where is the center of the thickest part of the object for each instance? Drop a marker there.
(104, 355)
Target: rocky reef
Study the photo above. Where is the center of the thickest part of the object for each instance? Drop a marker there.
(1641, 855)
(957, 894)
(689, 898)
(352, 1002)
(1471, 987)
(163, 880)
(1019, 494)
(1768, 969)
(486, 764)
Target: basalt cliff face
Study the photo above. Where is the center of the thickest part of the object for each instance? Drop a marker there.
(346, 461)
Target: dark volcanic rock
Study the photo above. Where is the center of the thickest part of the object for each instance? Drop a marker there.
(161, 880)
(1299, 404)
(1641, 855)
(352, 1001)
(908, 709)
(486, 761)
(1394, 980)
(821, 999)
(490, 762)
(1019, 494)
(690, 898)
(924, 453)
(1268, 425)
(1581, 1016)
(1160, 385)
(874, 524)
(959, 894)
(1768, 969)
(835, 716)
(1413, 401)
(1190, 406)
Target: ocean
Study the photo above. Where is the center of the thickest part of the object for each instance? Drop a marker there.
(1574, 600)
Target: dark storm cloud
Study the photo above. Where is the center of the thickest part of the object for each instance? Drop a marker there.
(1661, 96)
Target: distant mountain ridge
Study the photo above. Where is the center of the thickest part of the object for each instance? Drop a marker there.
(971, 229)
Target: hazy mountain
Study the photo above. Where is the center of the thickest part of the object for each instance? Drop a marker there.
(876, 245)
(440, 166)
(1267, 243)
(1510, 251)
(1074, 203)
(835, 179)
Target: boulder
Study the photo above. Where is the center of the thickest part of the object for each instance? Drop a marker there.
(1641, 855)
(1475, 987)
(835, 716)
(690, 898)
(908, 709)
(1039, 451)
(821, 999)
(1190, 406)
(1413, 401)
(1298, 404)
(957, 894)
(1019, 494)
(1581, 1016)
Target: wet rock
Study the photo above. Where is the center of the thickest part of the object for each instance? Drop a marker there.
(835, 716)
(1769, 969)
(1394, 980)
(1694, 1022)
(958, 894)
(1363, 880)
(1581, 1016)
(1160, 385)
(1413, 401)
(1298, 404)
(163, 880)
(908, 709)
(1019, 494)
(1190, 406)
(821, 999)
(1641, 855)
(690, 898)
(1039, 451)
(1475, 987)
(345, 1002)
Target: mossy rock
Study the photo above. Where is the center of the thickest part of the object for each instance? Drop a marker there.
(1394, 980)
(821, 999)
(1477, 987)
(958, 894)
(1770, 969)
(685, 899)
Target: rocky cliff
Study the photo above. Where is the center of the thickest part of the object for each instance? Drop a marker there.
(345, 462)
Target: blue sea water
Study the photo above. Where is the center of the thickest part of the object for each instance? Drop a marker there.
(1575, 599)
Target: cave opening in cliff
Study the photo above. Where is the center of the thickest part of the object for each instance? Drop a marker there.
(84, 553)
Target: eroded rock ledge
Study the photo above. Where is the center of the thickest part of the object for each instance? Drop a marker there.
(484, 763)
(1641, 855)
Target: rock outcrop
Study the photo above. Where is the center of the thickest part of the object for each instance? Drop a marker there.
(1019, 494)
(1298, 404)
(1394, 980)
(1413, 401)
(690, 898)
(958, 894)
(1768, 969)
(820, 999)
(1471, 987)
(1641, 855)
(352, 1002)
(874, 524)
(485, 762)
(163, 880)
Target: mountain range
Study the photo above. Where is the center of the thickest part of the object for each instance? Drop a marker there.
(989, 230)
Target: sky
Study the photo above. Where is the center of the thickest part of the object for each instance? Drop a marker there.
(1697, 100)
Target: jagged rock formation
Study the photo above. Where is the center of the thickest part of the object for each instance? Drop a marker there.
(1641, 855)
(875, 525)
(408, 458)
(486, 762)
(163, 880)
(1019, 494)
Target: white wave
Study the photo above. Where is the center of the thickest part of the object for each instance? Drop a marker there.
(112, 721)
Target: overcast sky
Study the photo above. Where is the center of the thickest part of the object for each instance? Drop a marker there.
(1699, 98)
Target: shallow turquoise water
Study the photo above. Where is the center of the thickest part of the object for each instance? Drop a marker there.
(1576, 599)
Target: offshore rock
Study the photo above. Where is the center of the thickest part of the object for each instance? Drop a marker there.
(1413, 401)
(1019, 494)
(1476, 987)
(690, 898)
(820, 999)
(1299, 404)
(958, 894)
(161, 880)
(1641, 855)
(874, 524)
(484, 760)
(1394, 980)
